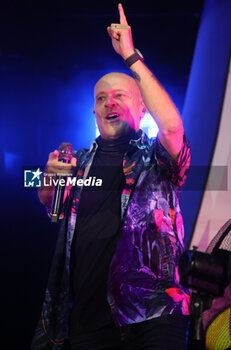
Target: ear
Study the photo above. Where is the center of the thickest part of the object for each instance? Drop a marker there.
(144, 110)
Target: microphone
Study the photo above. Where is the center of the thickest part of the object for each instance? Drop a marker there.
(65, 155)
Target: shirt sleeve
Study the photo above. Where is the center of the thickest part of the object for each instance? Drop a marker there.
(174, 170)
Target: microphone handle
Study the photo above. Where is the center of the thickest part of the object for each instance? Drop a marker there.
(57, 201)
(65, 155)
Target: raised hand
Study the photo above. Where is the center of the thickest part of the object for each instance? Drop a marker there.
(121, 35)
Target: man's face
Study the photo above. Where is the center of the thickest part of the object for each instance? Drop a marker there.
(118, 105)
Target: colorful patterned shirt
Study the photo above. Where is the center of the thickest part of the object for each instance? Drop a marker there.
(143, 279)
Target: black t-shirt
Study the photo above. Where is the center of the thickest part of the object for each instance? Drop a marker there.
(96, 235)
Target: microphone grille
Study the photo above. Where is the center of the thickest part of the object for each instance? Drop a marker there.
(65, 152)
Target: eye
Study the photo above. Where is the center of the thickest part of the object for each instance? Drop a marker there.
(100, 98)
(119, 94)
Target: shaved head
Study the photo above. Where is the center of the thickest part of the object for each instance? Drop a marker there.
(122, 78)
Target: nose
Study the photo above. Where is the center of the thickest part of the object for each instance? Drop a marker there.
(110, 102)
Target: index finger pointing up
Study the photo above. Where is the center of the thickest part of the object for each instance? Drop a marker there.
(123, 19)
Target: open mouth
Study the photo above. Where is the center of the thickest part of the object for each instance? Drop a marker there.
(112, 116)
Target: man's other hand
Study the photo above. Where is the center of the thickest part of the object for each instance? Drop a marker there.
(54, 166)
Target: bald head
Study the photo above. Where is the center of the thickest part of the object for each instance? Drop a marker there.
(122, 80)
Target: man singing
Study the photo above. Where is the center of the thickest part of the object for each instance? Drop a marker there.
(114, 281)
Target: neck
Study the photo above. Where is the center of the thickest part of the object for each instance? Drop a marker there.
(119, 144)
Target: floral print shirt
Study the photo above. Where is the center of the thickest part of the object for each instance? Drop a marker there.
(144, 280)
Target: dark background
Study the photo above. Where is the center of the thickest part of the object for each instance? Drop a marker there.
(51, 54)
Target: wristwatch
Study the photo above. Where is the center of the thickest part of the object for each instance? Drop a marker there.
(137, 55)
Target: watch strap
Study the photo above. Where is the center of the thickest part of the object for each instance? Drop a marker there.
(133, 58)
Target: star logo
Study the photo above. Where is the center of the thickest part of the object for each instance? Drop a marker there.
(32, 178)
(36, 173)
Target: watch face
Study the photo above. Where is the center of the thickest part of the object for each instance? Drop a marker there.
(140, 54)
